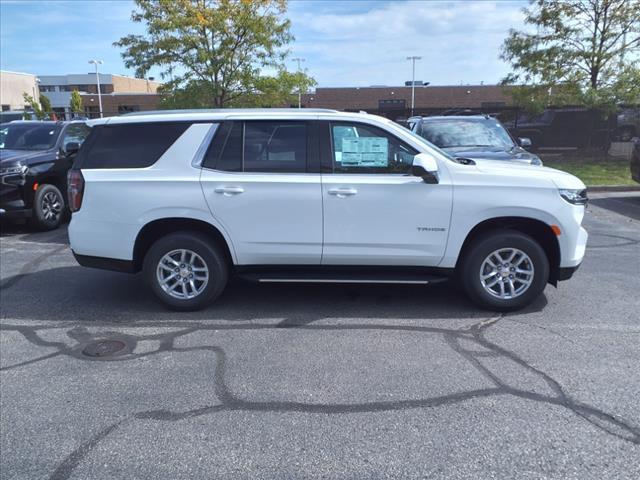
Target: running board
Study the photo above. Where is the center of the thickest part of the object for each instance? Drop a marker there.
(322, 277)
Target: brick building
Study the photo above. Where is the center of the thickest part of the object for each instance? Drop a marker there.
(391, 100)
(120, 94)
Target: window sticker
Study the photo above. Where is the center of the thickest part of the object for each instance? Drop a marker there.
(365, 152)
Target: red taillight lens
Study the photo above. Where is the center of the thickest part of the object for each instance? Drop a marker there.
(75, 189)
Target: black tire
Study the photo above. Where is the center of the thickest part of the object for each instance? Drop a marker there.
(48, 208)
(209, 254)
(475, 255)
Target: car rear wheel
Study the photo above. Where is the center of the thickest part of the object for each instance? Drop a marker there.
(504, 270)
(48, 208)
(185, 270)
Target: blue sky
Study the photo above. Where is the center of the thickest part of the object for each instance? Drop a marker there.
(345, 43)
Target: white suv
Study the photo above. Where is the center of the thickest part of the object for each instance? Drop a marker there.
(189, 198)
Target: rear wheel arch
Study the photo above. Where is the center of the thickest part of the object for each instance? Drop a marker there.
(157, 229)
(536, 229)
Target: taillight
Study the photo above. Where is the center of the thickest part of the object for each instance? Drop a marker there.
(75, 189)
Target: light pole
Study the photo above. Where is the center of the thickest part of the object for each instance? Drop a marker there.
(299, 60)
(96, 63)
(413, 81)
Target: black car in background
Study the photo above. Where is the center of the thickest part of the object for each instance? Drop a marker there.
(34, 159)
(473, 137)
(635, 160)
(565, 129)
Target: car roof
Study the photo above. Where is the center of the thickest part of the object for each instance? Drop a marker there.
(43, 122)
(231, 113)
(441, 118)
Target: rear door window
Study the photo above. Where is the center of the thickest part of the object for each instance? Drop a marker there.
(259, 146)
(129, 145)
(275, 147)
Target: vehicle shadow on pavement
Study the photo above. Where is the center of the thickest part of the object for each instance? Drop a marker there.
(95, 296)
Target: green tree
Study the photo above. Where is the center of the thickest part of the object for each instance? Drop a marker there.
(212, 51)
(576, 51)
(45, 104)
(75, 103)
(32, 105)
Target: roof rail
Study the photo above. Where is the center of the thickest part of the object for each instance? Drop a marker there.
(228, 110)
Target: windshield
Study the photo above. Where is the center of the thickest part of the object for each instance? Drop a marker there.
(431, 145)
(28, 136)
(466, 133)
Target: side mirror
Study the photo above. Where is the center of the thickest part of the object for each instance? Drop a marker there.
(71, 148)
(525, 142)
(426, 167)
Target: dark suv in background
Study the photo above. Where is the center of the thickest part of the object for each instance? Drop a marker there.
(565, 129)
(473, 137)
(34, 159)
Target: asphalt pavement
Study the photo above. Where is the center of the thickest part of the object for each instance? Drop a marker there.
(98, 381)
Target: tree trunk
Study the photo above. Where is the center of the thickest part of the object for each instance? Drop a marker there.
(594, 78)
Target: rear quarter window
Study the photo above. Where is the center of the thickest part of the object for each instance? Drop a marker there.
(128, 145)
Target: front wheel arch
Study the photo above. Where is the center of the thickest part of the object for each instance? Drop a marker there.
(536, 229)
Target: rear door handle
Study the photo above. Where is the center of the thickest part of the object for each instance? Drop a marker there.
(343, 192)
(229, 191)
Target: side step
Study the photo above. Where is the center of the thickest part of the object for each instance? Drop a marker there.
(322, 276)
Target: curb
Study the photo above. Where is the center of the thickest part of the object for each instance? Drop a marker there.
(614, 188)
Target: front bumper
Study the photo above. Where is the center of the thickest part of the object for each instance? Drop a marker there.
(565, 273)
(12, 197)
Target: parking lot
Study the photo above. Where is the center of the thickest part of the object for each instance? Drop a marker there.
(307, 381)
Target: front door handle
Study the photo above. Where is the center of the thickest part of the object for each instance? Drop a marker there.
(229, 191)
(343, 192)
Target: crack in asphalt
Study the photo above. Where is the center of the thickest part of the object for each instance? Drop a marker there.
(228, 401)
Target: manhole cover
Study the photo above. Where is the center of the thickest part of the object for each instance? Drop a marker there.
(104, 348)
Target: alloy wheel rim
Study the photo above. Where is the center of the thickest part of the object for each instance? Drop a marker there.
(182, 274)
(506, 273)
(51, 206)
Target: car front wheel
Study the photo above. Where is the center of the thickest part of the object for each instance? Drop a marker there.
(504, 270)
(185, 270)
(48, 208)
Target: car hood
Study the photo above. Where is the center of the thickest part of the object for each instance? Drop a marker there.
(492, 153)
(9, 158)
(527, 171)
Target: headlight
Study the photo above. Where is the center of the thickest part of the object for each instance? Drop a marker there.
(576, 197)
(16, 169)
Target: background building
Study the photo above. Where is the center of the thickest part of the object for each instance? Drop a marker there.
(13, 86)
(395, 102)
(120, 94)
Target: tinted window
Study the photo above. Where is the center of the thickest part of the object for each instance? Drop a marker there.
(129, 145)
(225, 152)
(76, 132)
(28, 136)
(466, 133)
(359, 148)
(275, 147)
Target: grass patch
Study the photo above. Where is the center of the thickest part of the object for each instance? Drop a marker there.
(595, 172)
